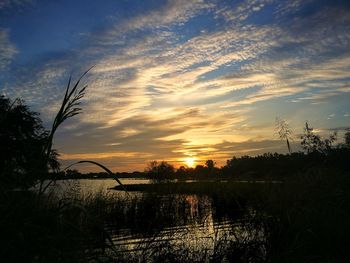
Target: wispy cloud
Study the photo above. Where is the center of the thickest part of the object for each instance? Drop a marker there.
(164, 86)
(240, 11)
(7, 49)
(174, 12)
(5, 4)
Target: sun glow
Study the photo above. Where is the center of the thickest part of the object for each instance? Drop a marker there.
(190, 161)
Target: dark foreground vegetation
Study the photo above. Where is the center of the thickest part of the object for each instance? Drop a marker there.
(303, 217)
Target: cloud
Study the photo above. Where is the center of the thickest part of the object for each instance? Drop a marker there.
(141, 138)
(291, 6)
(7, 4)
(7, 49)
(145, 70)
(241, 11)
(175, 12)
(158, 91)
(331, 116)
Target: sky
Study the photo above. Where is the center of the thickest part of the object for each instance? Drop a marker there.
(179, 80)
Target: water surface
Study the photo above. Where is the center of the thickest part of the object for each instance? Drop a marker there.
(153, 223)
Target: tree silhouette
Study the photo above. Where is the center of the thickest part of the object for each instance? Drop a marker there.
(159, 172)
(210, 164)
(210, 167)
(312, 142)
(27, 155)
(23, 139)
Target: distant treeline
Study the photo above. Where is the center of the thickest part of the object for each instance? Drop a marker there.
(318, 153)
(269, 166)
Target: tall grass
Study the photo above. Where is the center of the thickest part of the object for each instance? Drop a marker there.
(69, 108)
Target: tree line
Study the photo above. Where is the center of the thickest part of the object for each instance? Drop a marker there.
(317, 152)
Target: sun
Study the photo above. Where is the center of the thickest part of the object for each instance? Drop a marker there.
(190, 161)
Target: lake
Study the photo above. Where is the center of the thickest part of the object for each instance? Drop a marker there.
(197, 225)
(93, 186)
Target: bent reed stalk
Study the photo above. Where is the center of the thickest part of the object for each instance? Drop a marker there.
(69, 108)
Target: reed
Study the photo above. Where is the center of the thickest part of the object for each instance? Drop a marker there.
(69, 108)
